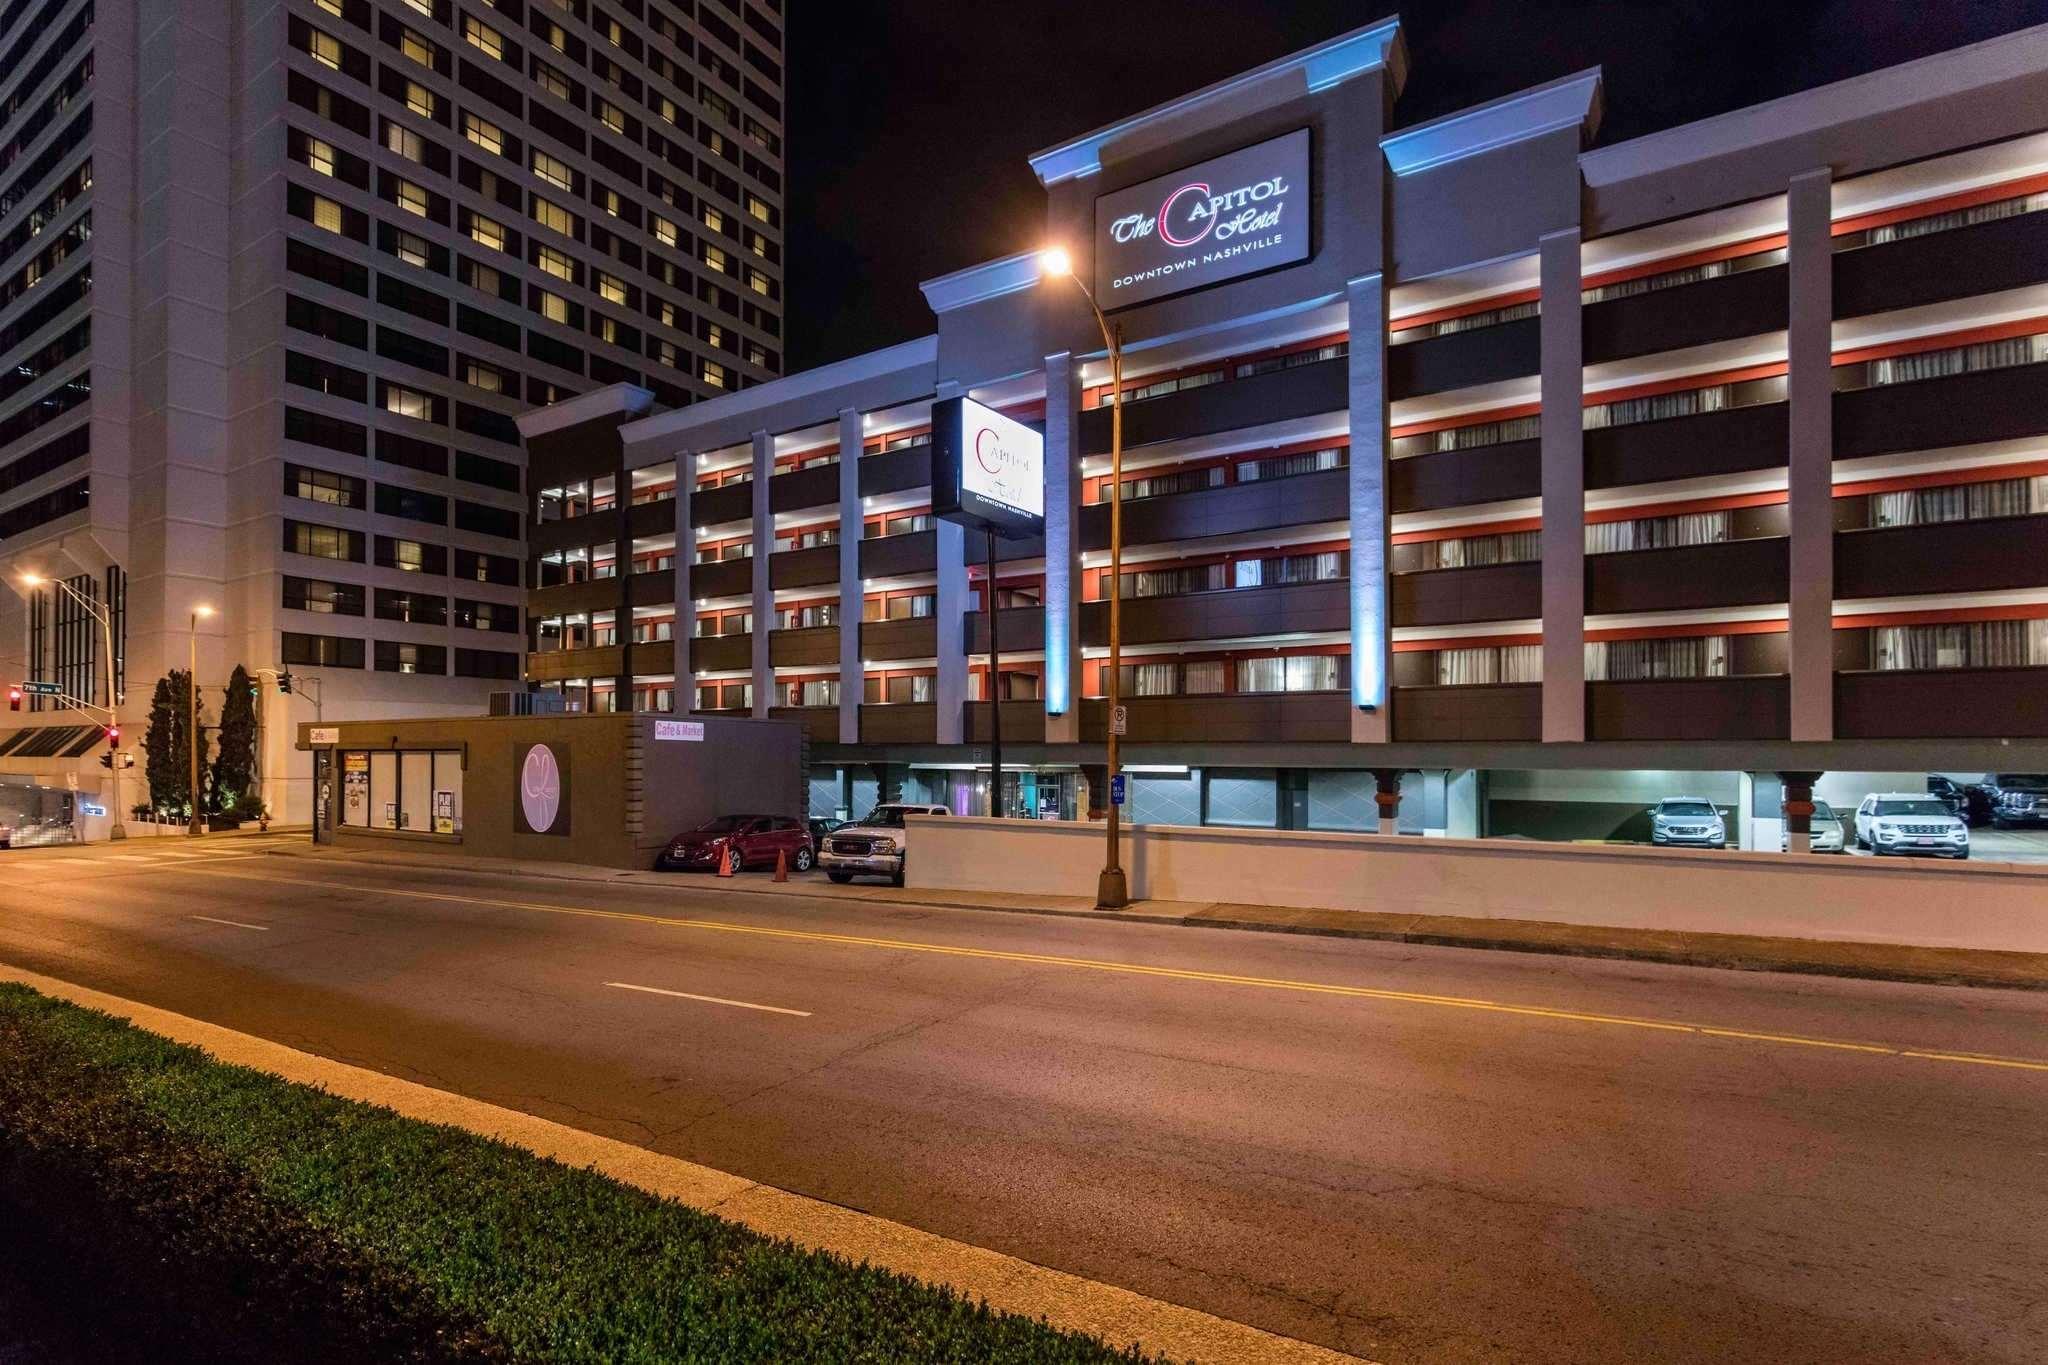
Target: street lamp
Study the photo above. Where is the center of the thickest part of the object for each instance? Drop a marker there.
(118, 828)
(1112, 891)
(192, 719)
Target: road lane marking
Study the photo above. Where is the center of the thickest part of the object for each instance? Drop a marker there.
(708, 999)
(232, 923)
(1141, 969)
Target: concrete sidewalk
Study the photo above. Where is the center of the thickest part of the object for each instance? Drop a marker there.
(1872, 961)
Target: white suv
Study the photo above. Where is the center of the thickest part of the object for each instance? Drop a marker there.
(1910, 822)
(875, 846)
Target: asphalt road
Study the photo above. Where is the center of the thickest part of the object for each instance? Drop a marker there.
(1413, 1154)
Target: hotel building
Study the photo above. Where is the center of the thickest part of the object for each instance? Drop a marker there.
(274, 281)
(1530, 478)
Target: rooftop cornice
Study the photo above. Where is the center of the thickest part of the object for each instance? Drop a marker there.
(613, 400)
(989, 280)
(905, 359)
(1572, 100)
(1322, 66)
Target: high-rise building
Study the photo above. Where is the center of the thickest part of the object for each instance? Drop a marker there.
(274, 280)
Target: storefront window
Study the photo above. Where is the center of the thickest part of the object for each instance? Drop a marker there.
(417, 790)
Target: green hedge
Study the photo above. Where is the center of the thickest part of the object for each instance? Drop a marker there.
(256, 1212)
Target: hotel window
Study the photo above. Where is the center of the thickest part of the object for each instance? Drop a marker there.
(758, 281)
(1692, 274)
(1684, 403)
(417, 48)
(1293, 359)
(320, 156)
(481, 277)
(611, 116)
(1692, 656)
(812, 692)
(411, 249)
(322, 542)
(487, 232)
(1471, 552)
(323, 48)
(419, 99)
(1467, 437)
(608, 200)
(320, 485)
(551, 80)
(326, 214)
(1961, 502)
(555, 263)
(484, 134)
(553, 216)
(1177, 481)
(322, 651)
(664, 231)
(1971, 644)
(665, 108)
(1951, 360)
(757, 354)
(665, 353)
(910, 606)
(1943, 222)
(410, 197)
(405, 142)
(553, 307)
(715, 257)
(483, 38)
(407, 556)
(551, 33)
(397, 656)
(489, 378)
(1489, 664)
(714, 374)
(1652, 533)
(553, 170)
(1287, 466)
(408, 402)
(1291, 673)
(1401, 335)
(323, 597)
(605, 329)
(715, 219)
(816, 614)
(333, 7)
(757, 208)
(611, 288)
(425, 7)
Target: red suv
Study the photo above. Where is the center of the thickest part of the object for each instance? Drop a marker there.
(758, 838)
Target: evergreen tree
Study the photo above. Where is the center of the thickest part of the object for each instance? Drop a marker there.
(166, 755)
(234, 765)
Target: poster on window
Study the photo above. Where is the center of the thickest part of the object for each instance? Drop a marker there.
(444, 812)
(540, 795)
(355, 789)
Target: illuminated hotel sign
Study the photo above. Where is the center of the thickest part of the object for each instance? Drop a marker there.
(988, 471)
(1237, 215)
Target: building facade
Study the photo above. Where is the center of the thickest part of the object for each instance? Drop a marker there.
(274, 280)
(1468, 460)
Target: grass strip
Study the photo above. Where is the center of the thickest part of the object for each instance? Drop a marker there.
(397, 1239)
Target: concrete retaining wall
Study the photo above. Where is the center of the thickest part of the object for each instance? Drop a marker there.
(1955, 905)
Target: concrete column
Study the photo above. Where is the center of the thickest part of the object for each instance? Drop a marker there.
(851, 598)
(1799, 810)
(1063, 577)
(949, 689)
(764, 595)
(1094, 797)
(1564, 493)
(686, 605)
(1810, 478)
(1371, 621)
(1388, 798)
(1461, 803)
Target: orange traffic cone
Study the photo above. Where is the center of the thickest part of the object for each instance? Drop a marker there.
(730, 862)
(782, 865)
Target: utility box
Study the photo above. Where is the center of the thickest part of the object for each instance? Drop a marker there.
(604, 789)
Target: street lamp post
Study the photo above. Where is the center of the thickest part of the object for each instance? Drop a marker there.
(192, 718)
(1112, 890)
(117, 827)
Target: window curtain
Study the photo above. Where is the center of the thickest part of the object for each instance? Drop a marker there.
(1656, 533)
(1513, 547)
(1987, 355)
(1969, 644)
(1297, 673)
(1961, 502)
(1201, 679)
(1942, 222)
(1488, 433)
(1656, 407)
(1691, 656)
(1489, 664)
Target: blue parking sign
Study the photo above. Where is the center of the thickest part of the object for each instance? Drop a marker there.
(1116, 790)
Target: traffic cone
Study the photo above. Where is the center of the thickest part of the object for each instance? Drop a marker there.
(728, 864)
(782, 865)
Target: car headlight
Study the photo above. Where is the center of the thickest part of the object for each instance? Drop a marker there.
(884, 846)
(1885, 832)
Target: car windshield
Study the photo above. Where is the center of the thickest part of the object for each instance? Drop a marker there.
(1685, 808)
(724, 824)
(2023, 782)
(885, 817)
(1911, 808)
(1823, 811)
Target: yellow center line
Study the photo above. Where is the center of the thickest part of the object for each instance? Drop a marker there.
(1142, 969)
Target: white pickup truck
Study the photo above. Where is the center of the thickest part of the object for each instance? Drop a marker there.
(873, 847)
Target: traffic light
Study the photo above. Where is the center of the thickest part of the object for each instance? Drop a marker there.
(107, 760)
(113, 736)
(284, 684)
(14, 698)
(255, 689)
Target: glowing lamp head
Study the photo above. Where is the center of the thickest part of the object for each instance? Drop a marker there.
(1054, 261)
(33, 580)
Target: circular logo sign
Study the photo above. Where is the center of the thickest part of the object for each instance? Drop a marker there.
(540, 788)
(1166, 224)
(988, 450)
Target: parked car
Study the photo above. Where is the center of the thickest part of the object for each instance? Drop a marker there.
(759, 839)
(2022, 799)
(1910, 822)
(1826, 830)
(875, 846)
(820, 828)
(1972, 802)
(1687, 822)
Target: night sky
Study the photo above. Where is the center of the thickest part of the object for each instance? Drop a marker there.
(910, 120)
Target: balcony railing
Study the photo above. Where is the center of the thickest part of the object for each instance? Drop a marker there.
(1725, 573)
(1950, 556)
(1492, 712)
(1689, 708)
(1942, 703)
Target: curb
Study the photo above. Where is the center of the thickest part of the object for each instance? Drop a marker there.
(1708, 955)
